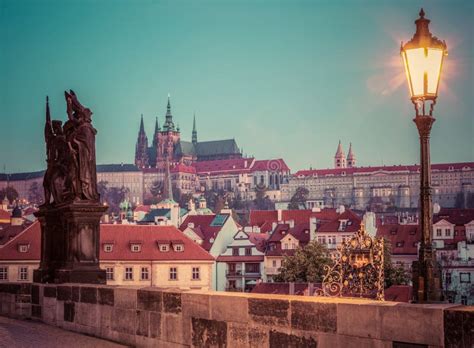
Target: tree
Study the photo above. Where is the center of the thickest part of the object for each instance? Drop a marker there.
(34, 193)
(305, 265)
(102, 189)
(299, 198)
(262, 201)
(394, 275)
(10, 193)
(115, 195)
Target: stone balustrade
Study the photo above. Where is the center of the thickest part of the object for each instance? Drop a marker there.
(166, 318)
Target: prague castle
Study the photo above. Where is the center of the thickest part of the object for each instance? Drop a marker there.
(167, 145)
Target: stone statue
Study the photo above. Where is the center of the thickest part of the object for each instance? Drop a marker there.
(71, 171)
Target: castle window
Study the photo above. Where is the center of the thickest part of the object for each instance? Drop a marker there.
(109, 273)
(173, 273)
(128, 273)
(196, 275)
(3, 273)
(144, 273)
(23, 273)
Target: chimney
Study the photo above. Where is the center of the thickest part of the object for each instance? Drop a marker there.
(279, 212)
(291, 223)
(312, 228)
(274, 225)
(245, 164)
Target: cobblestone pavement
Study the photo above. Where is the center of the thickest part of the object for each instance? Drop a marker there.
(19, 333)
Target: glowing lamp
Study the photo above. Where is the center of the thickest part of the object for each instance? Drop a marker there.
(423, 58)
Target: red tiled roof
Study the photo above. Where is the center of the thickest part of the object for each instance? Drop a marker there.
(455, 216)
(279, 232)
(7, 231)
(333, 225)
(260, 217)
(31, 235)
(273, 165)
(182, 168)
(237, 165)
(203, 224)
(143, 208)
(121, 236)
(407, 235)
(148, 235)
(259, 240)
(243, 258)
(367, 170)
(265, 218)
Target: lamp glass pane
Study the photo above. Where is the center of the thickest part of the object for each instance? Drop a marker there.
(419, 62)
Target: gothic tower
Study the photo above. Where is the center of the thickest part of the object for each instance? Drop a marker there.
(141, 155)
(167, 138)
(157, 133)
(351, 160)
(195, 134)
(339, 157)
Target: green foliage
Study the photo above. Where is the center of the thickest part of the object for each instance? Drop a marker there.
(299, 198)
(306, 265)
(113, 196)
(394, 275)
(262, 201)
(10, 193)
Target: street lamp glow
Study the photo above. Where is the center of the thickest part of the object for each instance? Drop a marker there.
(423, 58)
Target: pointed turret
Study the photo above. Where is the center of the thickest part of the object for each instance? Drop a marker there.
(156, 134)
(141, 148)
(351, 159)
(339, 157)
(169, 125)
(195, 134)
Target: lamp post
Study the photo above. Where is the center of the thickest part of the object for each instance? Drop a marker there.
(423, 58)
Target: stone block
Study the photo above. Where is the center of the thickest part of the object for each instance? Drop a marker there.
(143, 323)
(124, 320)
(35, 298)
(105, 315)
(269, 311)
(258, 337)
(125, 298)
(196, 305)
(59, 311)
(459, 327)
(361, 320)
(172, 302)
(209, 333)
(150, 300)
(410, 323)
(328, 340)
(87, 314)
(172, 328)
(36, 311)
(106, 296)
(23, 310)
(237, 335)
(64, 293)
(88, 295)
(155, 325)
(49, 312)
(283, 340)
(313, 316)
(49, 291)
(69, 311)
(229, 308)
(75, 291)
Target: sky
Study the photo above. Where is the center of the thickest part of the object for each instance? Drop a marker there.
(286, 79)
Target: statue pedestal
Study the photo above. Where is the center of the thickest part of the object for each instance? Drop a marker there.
(70, 243)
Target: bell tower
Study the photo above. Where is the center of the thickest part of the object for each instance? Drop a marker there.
(339, 157)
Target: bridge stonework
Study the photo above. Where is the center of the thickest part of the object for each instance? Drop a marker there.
(165, 318)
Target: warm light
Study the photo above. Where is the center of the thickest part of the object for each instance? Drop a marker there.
(423, 59)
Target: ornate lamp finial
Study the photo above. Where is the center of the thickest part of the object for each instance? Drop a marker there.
(422, 13)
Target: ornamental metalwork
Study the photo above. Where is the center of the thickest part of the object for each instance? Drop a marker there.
(358, 270)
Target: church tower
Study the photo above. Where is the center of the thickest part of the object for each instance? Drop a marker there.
(195, 134)
(351, 159)
(340, 157)
(141, 155)
(167, 138)
(157, 133)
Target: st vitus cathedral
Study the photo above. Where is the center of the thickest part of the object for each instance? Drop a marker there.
(167, 145)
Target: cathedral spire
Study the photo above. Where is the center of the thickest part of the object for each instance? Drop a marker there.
(156, 134)
(339, 157)
(351, 159)
(142, 127)
(195, 136)
(169, 125)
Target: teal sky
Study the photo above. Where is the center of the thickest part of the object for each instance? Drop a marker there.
(285, 78)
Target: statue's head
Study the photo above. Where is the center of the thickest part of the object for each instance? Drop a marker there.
(57, 127)
(87, 115)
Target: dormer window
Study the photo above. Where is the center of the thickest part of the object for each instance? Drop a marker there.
(108, 247)
(178, 247)
(163, 246)
(135, 247)
(23, 248)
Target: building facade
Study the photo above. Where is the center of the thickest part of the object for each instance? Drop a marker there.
(378, 188)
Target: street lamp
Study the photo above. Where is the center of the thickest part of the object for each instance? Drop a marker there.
(423, 58)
